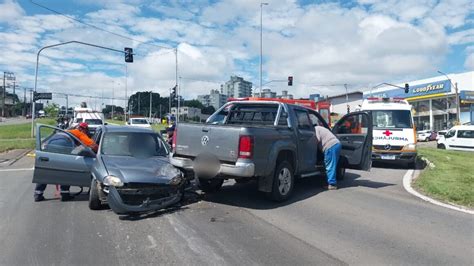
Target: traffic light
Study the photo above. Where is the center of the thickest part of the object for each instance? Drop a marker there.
(128, 55)
(290, 81)
(173, 92)
(407, 88)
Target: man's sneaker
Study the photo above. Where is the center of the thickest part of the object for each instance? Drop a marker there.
(39, 198)
(332, 187)
(66, 197)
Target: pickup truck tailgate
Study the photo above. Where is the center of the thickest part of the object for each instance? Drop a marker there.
(195, 139)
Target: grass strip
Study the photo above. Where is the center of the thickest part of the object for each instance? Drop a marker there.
(451, 179)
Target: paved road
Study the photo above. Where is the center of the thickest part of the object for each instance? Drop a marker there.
(370, 220)
(13, 121)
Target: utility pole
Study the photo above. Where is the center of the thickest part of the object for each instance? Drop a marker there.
(67, 105)
(458, 109)
(3, 98)
(24, 101)
(347, 99)
(151, 96)
(138, 103)
(261, 43)
(113, 95)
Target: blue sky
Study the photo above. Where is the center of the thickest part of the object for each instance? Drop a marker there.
(318, 42)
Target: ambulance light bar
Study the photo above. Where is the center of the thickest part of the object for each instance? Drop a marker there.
(387, 100)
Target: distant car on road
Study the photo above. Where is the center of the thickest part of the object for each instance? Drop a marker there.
(131, 170)
(138, 122)
(458, 138)
(441, 133)
(426, 135)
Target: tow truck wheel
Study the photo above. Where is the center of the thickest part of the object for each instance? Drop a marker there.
(210, 185)
(283, 182)
(94, 200)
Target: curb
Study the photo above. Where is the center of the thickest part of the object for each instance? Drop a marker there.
(408, 178)
(19, 157)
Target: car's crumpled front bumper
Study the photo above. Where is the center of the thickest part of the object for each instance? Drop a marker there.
(119, 206)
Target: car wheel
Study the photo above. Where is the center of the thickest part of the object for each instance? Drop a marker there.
(441, 146)
(94, 200)
(340, 172)
(210, 185)
(283, 182)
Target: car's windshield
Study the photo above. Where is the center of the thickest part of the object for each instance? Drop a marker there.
(391, 119)
(139, 121)
(93, 121)
(135, 144)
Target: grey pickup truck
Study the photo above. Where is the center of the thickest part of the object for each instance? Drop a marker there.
(272, 142)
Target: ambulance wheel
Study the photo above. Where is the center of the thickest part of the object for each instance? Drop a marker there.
(94, 200)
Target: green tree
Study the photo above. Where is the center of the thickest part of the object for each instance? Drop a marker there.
(52, 110)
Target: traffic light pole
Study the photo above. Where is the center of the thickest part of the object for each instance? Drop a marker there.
(36, 73)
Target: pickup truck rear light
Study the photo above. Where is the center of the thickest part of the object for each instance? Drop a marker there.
(174, 138)
(245, 147)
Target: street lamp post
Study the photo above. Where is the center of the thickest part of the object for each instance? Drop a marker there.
(455, 85)
(261, 43)
(36, 72)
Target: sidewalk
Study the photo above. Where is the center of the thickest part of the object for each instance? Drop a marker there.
(10, 157)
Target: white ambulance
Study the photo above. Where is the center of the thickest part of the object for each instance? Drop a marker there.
(394, 133)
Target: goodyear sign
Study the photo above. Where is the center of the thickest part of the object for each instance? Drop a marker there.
(437, 87)
(467, 96)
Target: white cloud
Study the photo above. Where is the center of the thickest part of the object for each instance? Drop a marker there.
(321, 43)
(469, 63)
(10, 11)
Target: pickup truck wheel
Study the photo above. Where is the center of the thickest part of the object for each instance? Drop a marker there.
(210, 185)
(283, 182)
(94, 200)
(340, 172)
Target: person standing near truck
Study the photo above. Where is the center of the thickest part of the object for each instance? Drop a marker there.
(331, 147)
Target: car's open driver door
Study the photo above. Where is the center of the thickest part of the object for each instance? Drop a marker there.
(61, 158)
(354, 130)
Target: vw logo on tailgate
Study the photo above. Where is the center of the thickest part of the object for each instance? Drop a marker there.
(204, 140)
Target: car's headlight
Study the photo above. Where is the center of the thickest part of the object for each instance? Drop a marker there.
(114, 181)
(410, 146)
(176, 180)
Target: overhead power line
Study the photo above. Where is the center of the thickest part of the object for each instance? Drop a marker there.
(96, 27)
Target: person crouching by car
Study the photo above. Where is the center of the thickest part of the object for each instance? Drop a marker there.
(81, 132)
(331, 147)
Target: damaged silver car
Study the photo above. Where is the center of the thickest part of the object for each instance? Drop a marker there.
(130, 172)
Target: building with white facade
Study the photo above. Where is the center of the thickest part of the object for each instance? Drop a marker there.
(237, 87)
(214, 99)
(434, 100)
(190, 113)
(342, 103)
(267, 93)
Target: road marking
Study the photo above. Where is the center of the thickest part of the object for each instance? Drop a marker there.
(18, 169)
(152, 241)
(408, 178)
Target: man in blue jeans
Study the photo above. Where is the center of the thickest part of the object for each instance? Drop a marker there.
(331, 147)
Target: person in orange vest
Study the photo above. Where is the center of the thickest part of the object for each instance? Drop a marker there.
(81, 132)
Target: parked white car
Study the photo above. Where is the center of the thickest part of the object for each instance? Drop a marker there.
(138, 122)
(425, 135)
(458, 138)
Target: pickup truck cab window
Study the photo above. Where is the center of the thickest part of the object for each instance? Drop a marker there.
(303, 120)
